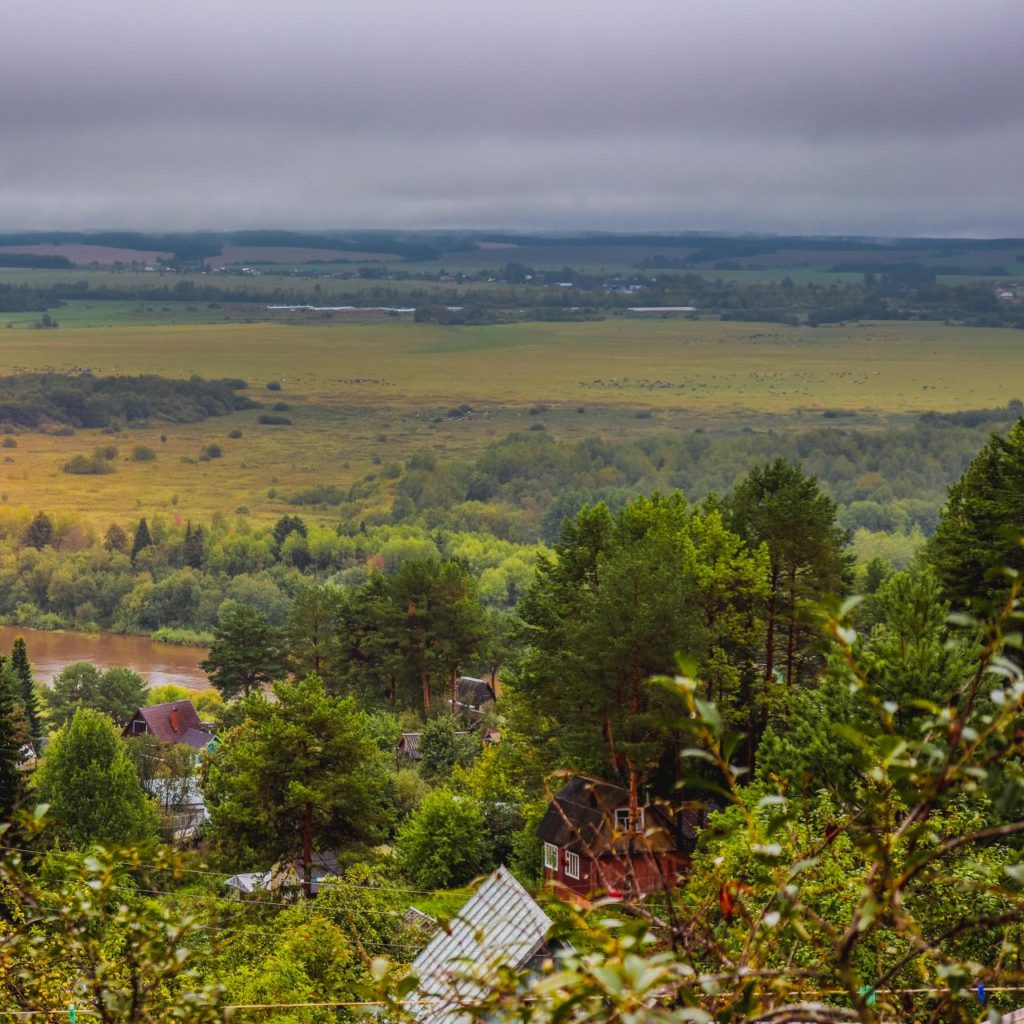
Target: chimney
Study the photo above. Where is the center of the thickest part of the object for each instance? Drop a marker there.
(175, 720)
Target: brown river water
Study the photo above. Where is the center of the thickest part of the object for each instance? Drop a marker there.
(157, 663)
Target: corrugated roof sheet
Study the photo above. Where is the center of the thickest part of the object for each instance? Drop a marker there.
(500, 925)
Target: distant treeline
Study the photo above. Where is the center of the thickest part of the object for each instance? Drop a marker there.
(34, 261)
(416, 246)
(201, 245)
(56, 572)
(523, 487)
(33, 400)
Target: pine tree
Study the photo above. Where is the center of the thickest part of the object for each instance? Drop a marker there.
(142, 538)
(777, 505)
(10, 747)
(30, 703)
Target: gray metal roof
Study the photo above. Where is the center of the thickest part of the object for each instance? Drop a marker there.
(500, 925)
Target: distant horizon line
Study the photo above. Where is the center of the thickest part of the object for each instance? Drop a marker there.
(508, 231)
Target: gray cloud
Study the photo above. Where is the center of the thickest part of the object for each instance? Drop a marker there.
(877, 117)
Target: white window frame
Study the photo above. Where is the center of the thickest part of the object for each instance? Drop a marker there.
(572, 865)
(551, 857)
(622, 819)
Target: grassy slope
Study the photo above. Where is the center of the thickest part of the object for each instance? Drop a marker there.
(721, 374)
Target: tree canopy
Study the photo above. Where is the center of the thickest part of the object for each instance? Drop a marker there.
(118, 692)
(979, 534)
(301, 772)
(90, 782)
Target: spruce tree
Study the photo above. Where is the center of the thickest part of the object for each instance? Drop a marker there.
(10, 747)
(40, 532)
(979, 534)
(23, 670)
(142, 538)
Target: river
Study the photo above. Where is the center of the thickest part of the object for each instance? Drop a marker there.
(158, 664)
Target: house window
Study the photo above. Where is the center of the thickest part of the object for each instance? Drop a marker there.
(622, 820)
(572, 865)
(551, 856)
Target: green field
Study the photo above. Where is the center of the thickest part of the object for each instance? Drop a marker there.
(364, 395)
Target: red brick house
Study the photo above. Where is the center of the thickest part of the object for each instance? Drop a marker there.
(590, 849)
(174, 722)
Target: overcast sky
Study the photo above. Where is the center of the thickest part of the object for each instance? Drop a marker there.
(816, 116)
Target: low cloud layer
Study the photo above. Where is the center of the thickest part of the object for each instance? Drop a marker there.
(871, 118)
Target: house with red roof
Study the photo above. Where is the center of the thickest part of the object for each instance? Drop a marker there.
(174, 722)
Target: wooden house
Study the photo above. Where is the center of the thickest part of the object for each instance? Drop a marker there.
(174, 722)
(590, 848)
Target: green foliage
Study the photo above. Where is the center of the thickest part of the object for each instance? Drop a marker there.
(82, 400)
(779, 506)
(141, 540)
(443, 745)
(245, 654)
(86, 935)
(10, 744)
(118, 693)
(40, 532)
(627, 593)
(311, 633)
(142, 453)
(91, 785)
(26, 689)
(982, 523)
(406, 636)
(442, 844)
(410, 788)
(89, 465)
(305, 761)
(305, 958)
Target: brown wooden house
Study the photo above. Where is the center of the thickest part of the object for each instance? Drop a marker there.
(590, 848)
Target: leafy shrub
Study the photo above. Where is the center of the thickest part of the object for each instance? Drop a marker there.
(108, 452)
(143, 453)
(273, 385)
(280, 407)
(234, 434)
(88, 465)
(273, 420)
(443, 843)
(321, 494)
(9, 442)
(213, 451)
